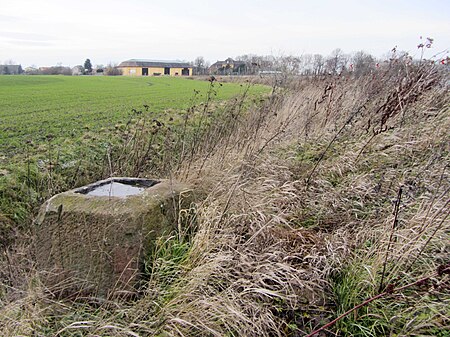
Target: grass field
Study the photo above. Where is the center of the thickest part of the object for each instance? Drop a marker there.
(54, 130)
(33, 107)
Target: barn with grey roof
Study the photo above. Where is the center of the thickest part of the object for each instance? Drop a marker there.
(138, 67)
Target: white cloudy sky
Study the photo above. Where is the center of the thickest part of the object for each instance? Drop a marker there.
(48, 32)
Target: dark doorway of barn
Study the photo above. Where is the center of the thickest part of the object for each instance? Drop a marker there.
(185, 72)
(166, 71)
(144, 71)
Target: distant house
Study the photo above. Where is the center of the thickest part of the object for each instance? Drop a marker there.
(31, 71)
(99, 71)
(228, 67)
(78, 70)
(44, 70)
(136, 67)
(10, 69)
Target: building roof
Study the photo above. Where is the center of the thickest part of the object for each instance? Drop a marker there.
(154, 63)
(228, 61)
(10, 68)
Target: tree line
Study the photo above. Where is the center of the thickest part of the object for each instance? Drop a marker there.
(337, 62)
(9, 68)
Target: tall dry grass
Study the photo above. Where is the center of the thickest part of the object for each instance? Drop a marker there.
(296, 223)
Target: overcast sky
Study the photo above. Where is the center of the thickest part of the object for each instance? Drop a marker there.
(48, 32)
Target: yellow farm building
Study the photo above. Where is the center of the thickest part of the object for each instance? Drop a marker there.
(135, 67)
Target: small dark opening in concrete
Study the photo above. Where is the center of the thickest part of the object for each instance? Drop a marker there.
(117, 187)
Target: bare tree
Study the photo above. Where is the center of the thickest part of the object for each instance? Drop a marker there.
(256, 63)
(363, 63)
(199, 66)
(318, 64)
(289, 65)
(336, 63)
(112, 70)
(32, 70)
(306, 64)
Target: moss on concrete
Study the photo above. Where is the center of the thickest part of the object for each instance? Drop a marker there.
(97, 243)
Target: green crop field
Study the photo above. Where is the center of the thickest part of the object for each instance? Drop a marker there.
(34, 107)
(55, 130)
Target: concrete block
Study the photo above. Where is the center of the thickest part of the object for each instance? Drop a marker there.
(92, 240)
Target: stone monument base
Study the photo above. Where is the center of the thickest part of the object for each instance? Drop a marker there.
(92, 240)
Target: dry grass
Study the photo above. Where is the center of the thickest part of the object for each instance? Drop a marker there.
(295, 224)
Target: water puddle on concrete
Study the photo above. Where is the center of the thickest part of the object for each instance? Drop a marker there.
(117, 187)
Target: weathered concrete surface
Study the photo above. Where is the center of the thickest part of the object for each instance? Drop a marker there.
(95, 244)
